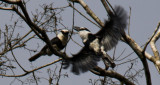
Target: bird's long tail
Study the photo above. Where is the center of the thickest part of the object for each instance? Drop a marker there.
(36, 56)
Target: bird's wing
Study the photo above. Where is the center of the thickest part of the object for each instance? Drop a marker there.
(44, 50)
(113, 29)
(58, 42)
(54, 41)
(91, 37)
(82, 61)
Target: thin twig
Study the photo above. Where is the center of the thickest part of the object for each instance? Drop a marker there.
(21, 75)
(129, 21)
(35, 78)
(150, 38)
(59, 75)
(2, 8)
(101, 72)
(84, 15)
(16, 59)
(138, 50)
(90, 12)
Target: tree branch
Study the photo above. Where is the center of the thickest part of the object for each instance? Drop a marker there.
(101, 72)
(138, 50)
(84, 15)
(11, 1)
(154, 49)
(27, 72)
(90, 12)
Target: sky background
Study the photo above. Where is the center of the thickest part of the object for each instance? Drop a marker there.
(145, 15)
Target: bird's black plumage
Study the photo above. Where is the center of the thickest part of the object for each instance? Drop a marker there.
(58, 43)
(45, 49)
(81, 62)
(113, 28)
(55, 41)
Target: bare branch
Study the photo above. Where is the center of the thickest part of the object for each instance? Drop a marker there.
(59, 75)
(27, 72)
(90, 12)
(101, 72)
(154, 49)
(2, 8)
(130, 10)
(11, 1)
(16, 60)
(106, 6)
(38, 30)
(138, 50)
(35, 78)
(84, 15)
(150, 39)
(14, 45)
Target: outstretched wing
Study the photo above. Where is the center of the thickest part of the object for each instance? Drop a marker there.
(113, 29)
(82, 61)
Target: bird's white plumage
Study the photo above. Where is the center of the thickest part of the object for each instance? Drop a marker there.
(63, 37)
(95, 45)
(84, 35)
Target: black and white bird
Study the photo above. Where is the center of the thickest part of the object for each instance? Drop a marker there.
(58, 43)
(83, 61)
(96, 45)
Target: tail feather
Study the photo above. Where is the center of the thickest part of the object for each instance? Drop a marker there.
(36, 56)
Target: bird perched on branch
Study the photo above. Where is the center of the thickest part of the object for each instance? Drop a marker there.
(58, 43)
(96, 45)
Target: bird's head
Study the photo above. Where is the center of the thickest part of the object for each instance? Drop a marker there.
(63, 36)
(83, 32)
(78, 29)
(65, 32)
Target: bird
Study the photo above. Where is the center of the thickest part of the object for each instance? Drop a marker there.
(81, 62)
(58, 42)
(96, 45)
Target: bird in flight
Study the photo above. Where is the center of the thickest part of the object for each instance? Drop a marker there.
(96, 45)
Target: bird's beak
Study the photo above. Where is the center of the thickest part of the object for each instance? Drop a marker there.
(76, 28)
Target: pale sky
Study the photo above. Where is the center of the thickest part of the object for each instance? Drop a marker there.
(145, 15)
